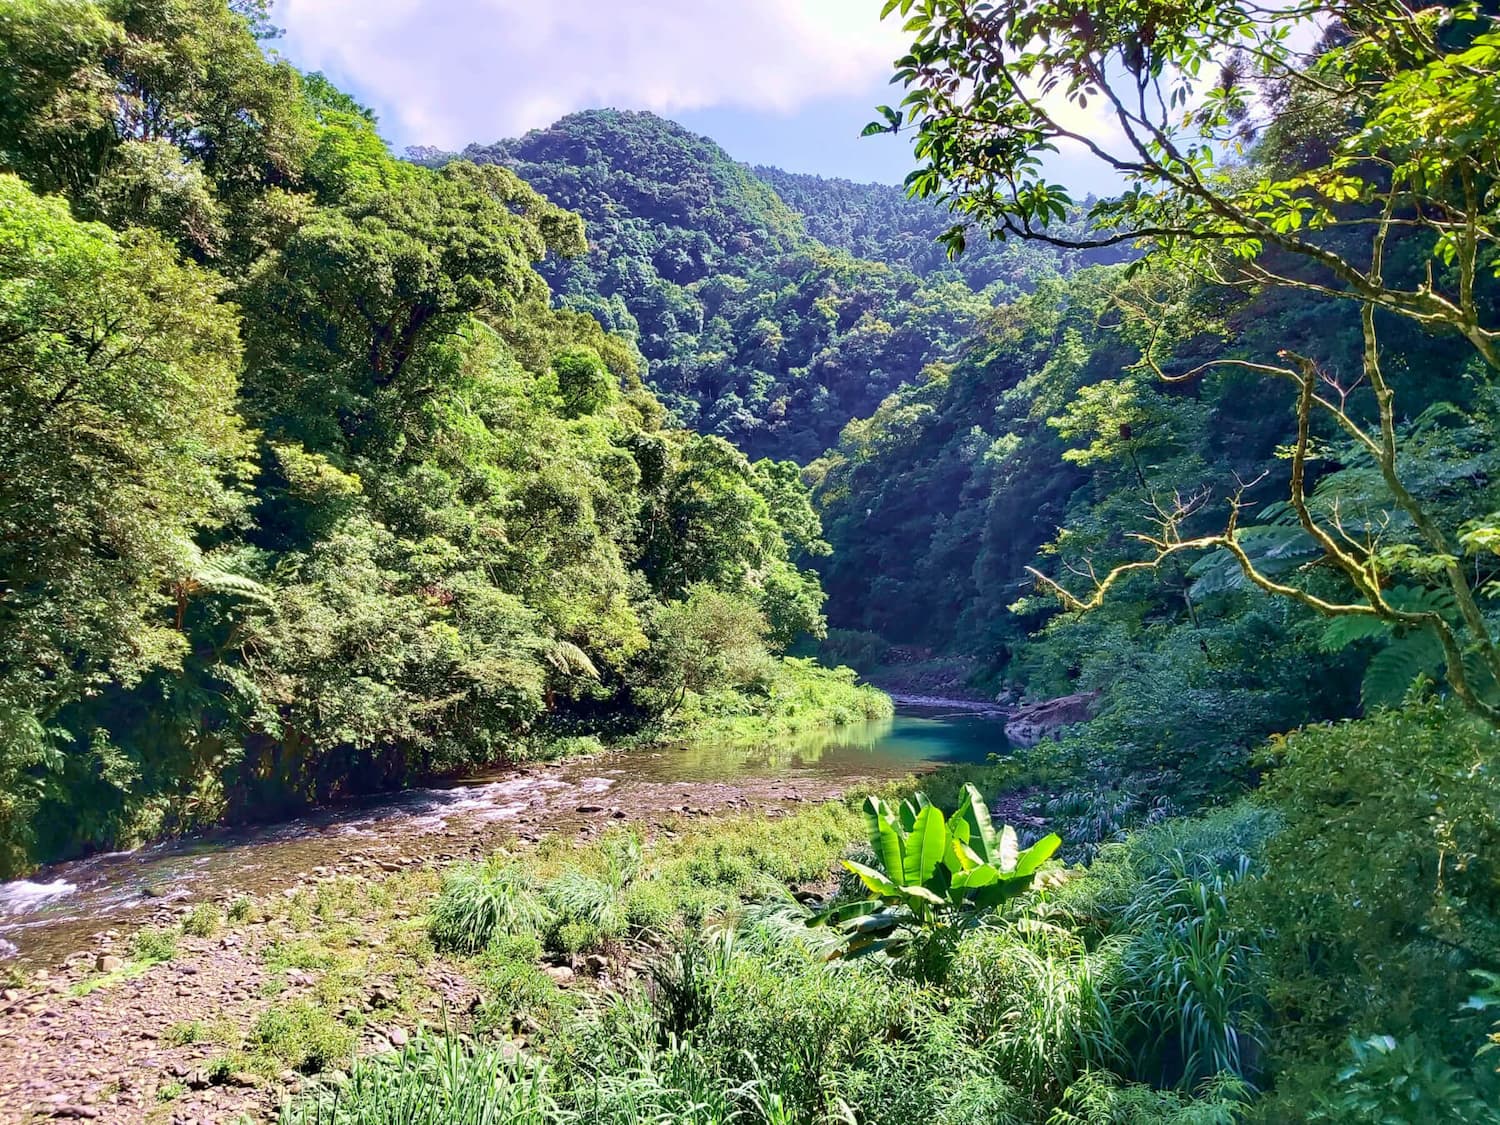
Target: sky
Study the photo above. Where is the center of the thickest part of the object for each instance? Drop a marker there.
(784, 82)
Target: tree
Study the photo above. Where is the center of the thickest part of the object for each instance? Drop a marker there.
(1408, 172)
(583, 381)
(343, 315)
(708, 639)
(119, 443)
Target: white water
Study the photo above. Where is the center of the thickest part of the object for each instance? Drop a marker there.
(23, 896)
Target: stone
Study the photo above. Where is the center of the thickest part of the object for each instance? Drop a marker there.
(590, 808)
(561, 974)
(1034, 722)
(398, 1037)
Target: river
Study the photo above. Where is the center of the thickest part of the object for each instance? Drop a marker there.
(59, 909)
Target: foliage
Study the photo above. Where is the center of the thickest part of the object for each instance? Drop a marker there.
(935, 877)
(308, 489)
(1387, 1081)
(480, 903)
(1360, 945)
(1193, 977)
(302, 1037)
(1352, 219)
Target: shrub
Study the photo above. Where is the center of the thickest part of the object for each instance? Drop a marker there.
(1040, 1000)
(859, 650)
(1389, 1081)
(1382, 890)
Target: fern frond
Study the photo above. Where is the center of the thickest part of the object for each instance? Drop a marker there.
(1341, 632)
(1395, 668)
(218, 581)
(569, 660)
(1275, 549)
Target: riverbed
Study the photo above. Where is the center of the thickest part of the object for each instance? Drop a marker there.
(58, 910)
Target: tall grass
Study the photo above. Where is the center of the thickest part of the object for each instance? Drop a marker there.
(433, 1081)
(480, 902)
(1191, 978)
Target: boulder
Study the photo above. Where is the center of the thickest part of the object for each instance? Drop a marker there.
(1034, 722)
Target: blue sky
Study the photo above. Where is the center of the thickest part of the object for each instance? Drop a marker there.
(783, 82)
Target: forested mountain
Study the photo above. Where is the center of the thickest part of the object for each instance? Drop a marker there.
(882, 223)
(750, 329)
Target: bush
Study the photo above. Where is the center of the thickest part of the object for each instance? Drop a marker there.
(1382, 890)
(1390, 1082)
(154, 943)
(1192, 982)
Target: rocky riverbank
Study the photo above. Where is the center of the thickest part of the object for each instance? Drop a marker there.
(218, 1010)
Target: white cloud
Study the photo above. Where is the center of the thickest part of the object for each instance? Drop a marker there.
(455, 71)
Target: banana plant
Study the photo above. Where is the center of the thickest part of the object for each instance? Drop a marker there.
(935, 878)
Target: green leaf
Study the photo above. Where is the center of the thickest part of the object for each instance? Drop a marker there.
(976, 814)
(1005, 856)
(885, 839)
(973, 879)
(960, 856)
(874, 880)
(1036, 855)
(922, 894)
(844, 912)
(925, 846)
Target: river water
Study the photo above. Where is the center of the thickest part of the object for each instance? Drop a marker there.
(57, 911)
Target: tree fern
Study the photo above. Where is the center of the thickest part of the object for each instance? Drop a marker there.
(218, 581)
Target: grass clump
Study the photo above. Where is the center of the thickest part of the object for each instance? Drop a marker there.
(302, 1037)
(480, 902)
(514, 991)
(203, 921)
(188, 1032)
(433, 1081)
(154, 944)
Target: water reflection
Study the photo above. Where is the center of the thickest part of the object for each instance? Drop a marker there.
(881, 748)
